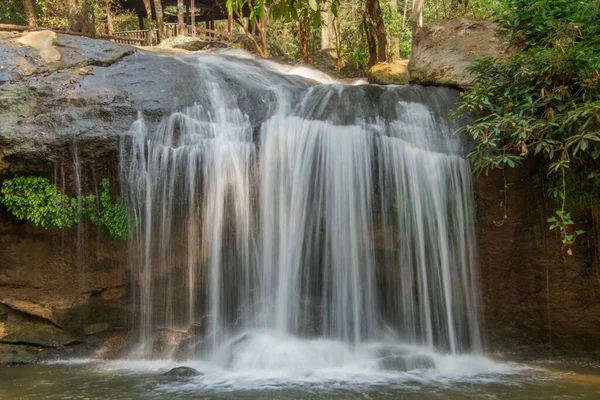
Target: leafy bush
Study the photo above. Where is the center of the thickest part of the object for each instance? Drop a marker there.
(113, 218)
(544, 100)
(36, 200)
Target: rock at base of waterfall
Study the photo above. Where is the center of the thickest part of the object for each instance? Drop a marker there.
(41, 335)
(15, 354)
(182, 373)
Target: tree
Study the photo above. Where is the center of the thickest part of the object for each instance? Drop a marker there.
(159, 19)
(417, 19)
(303, 36)
(109, 23)
(259, 14)
(81, 16)
(29, 13)
(148, 8)
(375, 32)
(180, 21)
(394, 50)
(327, 29)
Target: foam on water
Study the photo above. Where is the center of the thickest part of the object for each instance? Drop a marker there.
(259, 360)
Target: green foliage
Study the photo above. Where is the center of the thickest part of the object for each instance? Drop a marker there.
(545, 99)
(12, 12)
(113, 218)
(36, 200)
(562, 222)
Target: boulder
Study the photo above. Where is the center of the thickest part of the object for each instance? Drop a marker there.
(44, 52)
(14, 354)
(44, 335)
(57, 91)
(445, 50)
(182, 373)
(392, 73)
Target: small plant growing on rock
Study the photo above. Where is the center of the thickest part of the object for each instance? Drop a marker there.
(36, 200)
(113, 218)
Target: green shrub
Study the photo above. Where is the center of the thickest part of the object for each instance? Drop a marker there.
(113, 218)
(36, 200)
(544, 100)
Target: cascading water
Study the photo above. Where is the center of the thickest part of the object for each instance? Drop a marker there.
(287, 222)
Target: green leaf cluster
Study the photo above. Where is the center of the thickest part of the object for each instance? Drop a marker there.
(561, 220)
(36, 200)
(113, 218)
(545, 98)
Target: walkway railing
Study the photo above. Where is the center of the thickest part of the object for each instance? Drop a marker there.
(148, 38)
(138, 38)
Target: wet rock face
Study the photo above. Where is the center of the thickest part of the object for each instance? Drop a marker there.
(68, 94)
(73, 90)
(44, 335)
(537, 301)
(446, 49)
(13, 354)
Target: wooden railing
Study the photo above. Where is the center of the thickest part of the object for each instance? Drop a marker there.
(142, 37)
(172, 29)
(139, 37)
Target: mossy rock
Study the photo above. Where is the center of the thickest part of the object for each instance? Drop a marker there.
(13, 354)
(394, 73)
(40, 335)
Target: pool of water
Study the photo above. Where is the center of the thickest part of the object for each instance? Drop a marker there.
(464, 377)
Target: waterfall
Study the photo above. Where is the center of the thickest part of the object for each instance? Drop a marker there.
(309, 211)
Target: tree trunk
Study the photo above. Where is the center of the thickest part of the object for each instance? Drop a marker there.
(371, 40)
(327, 29)
(394, 50)
(374, 31)
(29, 13)
(338, 44)
(303, 33)
(247, 28)
(381, 36)
(73, 10)
(263, 31)
(180, 20)
(80, 14)
(110, 29)
(417, 20)
(159, 19)
(89, 17)
(148, 8)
